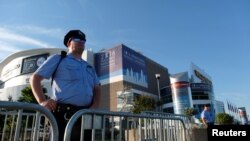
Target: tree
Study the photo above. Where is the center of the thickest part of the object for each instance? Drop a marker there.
(190, 111)
(143, 103)
(224, 119)
(27, 95)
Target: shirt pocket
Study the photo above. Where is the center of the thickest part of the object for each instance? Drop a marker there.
(70, 72)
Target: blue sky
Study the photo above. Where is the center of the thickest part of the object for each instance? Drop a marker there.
(214, 34)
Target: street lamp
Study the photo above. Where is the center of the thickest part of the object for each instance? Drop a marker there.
(158, 76)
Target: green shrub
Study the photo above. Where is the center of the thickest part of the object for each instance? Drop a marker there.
(224, 119)
(143, 103)
(27, 95)
(190, 111)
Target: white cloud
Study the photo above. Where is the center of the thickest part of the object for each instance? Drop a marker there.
(12, 39)
(7, 48)
(6, 36)
(51, 32)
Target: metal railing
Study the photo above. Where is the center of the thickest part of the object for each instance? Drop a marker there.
(128, 126)
(32, 122)
(186, 120)
(26, 122)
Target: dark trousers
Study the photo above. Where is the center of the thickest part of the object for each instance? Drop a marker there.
(76, 131)
(210, 123)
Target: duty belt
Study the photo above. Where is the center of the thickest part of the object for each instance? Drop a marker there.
(68, 109)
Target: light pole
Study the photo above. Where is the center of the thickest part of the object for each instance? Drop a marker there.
(158, 76)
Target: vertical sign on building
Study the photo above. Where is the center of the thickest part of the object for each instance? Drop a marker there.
(121, 63)
(108, 65)
(181, 92)
(181, 98)
(134, 67)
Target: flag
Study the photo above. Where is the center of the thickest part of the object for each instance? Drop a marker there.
(228, 106)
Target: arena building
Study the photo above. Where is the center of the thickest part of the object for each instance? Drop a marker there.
(194, 90)
(17, 68)
(126, 74)
(123, 72)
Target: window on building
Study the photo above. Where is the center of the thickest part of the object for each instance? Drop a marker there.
(200, 96)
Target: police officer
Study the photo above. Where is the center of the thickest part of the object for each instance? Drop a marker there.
(207, 116)
(75, 85)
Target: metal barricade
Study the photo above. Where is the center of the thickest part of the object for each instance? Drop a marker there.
(26, 122)
(186, 119)
(119, 126)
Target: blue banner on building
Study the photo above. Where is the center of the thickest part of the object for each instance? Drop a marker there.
(121, 63)
(134, 67)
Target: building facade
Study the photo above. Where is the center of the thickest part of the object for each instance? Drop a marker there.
(189, 89)
(126, 74)
(16, 70)
(123, 72)
(219, 106)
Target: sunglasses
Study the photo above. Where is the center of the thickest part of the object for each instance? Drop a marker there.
(78, 40)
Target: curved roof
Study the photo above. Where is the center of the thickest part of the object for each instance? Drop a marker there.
(29, 52)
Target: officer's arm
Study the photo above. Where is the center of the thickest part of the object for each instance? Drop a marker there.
(203, 119)
(37, 89)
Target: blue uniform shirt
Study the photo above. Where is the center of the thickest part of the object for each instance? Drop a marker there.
(208, 115)
(74, 79)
